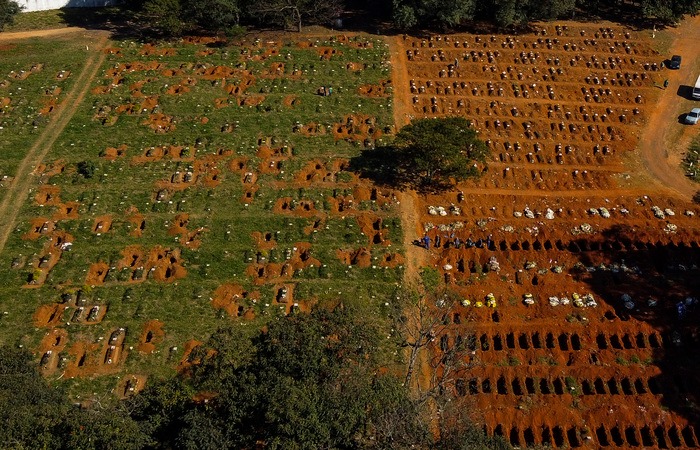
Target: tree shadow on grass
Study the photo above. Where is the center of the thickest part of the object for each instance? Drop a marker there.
(119, 20)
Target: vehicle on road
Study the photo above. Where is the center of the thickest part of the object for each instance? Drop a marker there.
(675, 62)
(693, 117)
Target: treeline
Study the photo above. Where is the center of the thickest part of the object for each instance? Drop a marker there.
(307, 381)
(177, 16)
(439, 14)
(231, 17)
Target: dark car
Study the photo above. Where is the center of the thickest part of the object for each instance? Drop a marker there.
(675, 62)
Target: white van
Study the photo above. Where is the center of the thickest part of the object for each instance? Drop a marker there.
(696, 89)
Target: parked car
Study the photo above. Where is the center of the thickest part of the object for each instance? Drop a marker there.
(693, 117)
(675, 62)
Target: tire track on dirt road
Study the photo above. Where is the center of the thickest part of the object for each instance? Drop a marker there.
(16, 193)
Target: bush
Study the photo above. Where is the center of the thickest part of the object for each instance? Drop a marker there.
(87, 169)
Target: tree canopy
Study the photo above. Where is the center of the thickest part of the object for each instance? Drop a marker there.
(326, 379)
(427, 154)
(505, 13)
(8, 10)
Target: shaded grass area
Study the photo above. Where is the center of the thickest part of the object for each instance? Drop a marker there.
(100, 18)
(214, 137)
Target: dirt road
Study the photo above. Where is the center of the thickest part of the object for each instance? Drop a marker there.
(415, 256)
(39, 33)
(17, 191)
(664, 139)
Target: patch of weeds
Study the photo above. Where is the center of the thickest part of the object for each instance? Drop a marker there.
(430, 278)
(572, 386)
(547, 360)
(691, 160)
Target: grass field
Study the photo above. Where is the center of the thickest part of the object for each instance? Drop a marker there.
(35, 74)
(179, 155)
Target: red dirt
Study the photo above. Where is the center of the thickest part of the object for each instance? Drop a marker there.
(137, 66)
(152, 50)
(48, 196)
(137, 221)
(360, 257)
(317, 172)
(172, 152)
(328, 52)
(560, 108)
(355, 67)
(264, 241)
(48, 315)
(186, 363)
(158, 263)
(51, 345)
(66, 211)
(112, 153)
(375, 90)
(131, 385)
(191, 239)
(290, 101)
(46, 171)
(102, 224)
(151, 336)
(202, 40)
(38, 227)
(299, 259)
(96, 274)
(233, 299)
(160, 123)
(372, 227)
(357, 128)
(311, 129)
(300, 208)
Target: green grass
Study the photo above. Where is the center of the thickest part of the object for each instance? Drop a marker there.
(38, 20)
(227, 247)
(691, 160)
(22, 119)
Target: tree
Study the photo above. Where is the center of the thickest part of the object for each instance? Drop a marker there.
(87, 169)
(212, 15)
(164, 16)
(8, 10)
(510, 12)
(294, 13)
(439, 152)
(308, 381)
(31, 411)
(443, 13)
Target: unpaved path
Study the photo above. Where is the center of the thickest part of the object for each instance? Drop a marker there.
(663, 139)
(38, 33)
(16, 192)
(416, 257)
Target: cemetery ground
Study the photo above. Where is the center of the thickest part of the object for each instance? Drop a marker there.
(198, 183)
(576, 268)
(192, 184)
